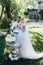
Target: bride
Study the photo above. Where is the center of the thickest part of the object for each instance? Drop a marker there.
(27, 51)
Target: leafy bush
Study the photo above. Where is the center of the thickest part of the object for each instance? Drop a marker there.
(5, 23)
(14, 11)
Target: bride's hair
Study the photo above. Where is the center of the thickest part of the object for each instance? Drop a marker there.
(19, 17)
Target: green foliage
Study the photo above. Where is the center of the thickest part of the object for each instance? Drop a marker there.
(5, 23)
(5, 2)
(14, 10)
(2, 45)
(11, 8)
(5, 6)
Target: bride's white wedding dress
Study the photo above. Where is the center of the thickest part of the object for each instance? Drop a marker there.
(27, 51)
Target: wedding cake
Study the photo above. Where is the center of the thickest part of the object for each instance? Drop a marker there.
(14, 52)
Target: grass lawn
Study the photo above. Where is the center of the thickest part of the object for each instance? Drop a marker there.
(37, 42)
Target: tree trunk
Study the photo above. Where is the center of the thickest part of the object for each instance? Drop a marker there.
(8, 12)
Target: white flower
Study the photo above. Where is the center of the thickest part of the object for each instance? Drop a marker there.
(10, 38)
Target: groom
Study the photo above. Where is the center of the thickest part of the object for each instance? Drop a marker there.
(15, 26)
(12, 25)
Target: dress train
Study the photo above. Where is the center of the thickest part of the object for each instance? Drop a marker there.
(27, 50)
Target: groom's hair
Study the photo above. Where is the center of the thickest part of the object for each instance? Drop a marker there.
(19, 17)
